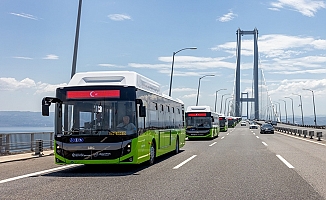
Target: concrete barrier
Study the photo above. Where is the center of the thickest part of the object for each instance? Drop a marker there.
(304, 132)
(311, 134)
(299, 132)
(319, 135)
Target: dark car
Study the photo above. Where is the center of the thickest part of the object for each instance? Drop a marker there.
(266, 128)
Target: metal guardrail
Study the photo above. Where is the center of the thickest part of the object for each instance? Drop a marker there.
(12, 143)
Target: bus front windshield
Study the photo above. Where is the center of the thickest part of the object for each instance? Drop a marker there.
(198, 122)
(98, 118)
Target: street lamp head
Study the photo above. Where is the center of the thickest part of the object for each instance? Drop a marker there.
(307, 89)
(296, 94)
(206, 75)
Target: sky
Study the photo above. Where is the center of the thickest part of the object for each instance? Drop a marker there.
(37, 43)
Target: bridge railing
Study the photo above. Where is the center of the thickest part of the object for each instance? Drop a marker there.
(307, 126)
(12, 143)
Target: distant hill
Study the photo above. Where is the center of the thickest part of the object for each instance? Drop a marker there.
(25, 119)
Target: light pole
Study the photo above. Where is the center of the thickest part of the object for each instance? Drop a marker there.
(74, 58)
(286, 113)
(216, 97)
(229, 105)
(225, 104)
(301, 108)
(199, 86)
(222, 102)
(313, 102)
(279, 108)
(292, 109)
(173, 64)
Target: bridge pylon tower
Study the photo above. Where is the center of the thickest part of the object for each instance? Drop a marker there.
(238, 97)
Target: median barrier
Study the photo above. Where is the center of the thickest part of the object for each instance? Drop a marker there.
(304, 132)
(299, 132)
(319, 135)
(311, 134)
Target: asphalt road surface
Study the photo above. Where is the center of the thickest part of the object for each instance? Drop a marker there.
(239, 164)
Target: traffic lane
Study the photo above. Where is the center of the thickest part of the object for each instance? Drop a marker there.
(104, 181)
(217, 172)
(246, 166)
(308, 158)
(237, 167)
(164, 162)
(21, 167)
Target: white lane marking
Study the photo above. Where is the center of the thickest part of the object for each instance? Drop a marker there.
(184, 162)
(264, 144)
(212, 144)
(37, 173)
(222, 138)
(257, 137)
(301, 139)
(254, 133)
(228, 134)
(284, 161)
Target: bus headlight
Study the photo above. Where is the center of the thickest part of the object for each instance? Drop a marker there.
(127, 149)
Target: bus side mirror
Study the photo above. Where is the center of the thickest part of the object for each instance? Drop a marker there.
(212, 119)
(45, 107)
(142, 111)
(46, 102)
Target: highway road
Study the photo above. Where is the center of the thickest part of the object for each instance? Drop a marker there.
(239, 164)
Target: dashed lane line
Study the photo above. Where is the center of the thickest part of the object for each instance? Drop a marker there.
(184, 162)
(212, 144)
(37, 173)
(284, 161)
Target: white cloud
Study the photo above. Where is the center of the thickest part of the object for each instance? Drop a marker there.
(21, 57)
(106, 65)
(296, 87)
(24, 15)
(305, 7)
(283, 54)
(51, 57)
(119, 17)
(48, 88)
(11, 84)
(227, 17)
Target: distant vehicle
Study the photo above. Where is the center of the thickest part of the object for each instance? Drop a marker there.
(253, 126)
(224, 124)
(243, 123)
(232, 121)
(267, 128)
(274, 123)
(201, 122)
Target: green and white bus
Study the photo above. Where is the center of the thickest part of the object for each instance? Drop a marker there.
(201, 122)
(114, 117)
(223, 123)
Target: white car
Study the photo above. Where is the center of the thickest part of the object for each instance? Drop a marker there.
(253, 126)
(243, 123)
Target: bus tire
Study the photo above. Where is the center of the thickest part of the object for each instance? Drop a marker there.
(177, 147)
(152, 153)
